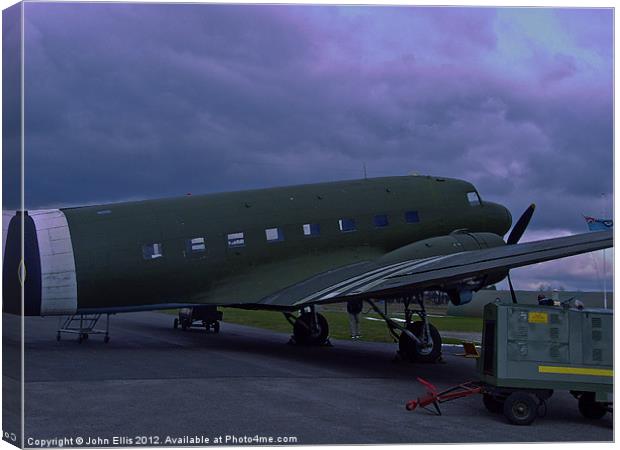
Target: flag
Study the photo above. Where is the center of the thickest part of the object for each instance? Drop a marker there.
(598, 224)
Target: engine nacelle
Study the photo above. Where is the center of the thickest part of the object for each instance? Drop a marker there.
(460, 297)
(455, 242)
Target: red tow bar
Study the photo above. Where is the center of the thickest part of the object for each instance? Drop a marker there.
(434, 398)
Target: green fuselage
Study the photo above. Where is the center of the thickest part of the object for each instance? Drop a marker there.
(111, 243)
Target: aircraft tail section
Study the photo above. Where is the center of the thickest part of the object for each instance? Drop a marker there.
(46, 269)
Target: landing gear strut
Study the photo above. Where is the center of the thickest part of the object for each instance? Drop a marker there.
(309, 328)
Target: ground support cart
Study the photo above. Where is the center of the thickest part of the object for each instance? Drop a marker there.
(528, 352)
(199, 316)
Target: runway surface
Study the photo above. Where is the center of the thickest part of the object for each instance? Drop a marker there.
(151, 380)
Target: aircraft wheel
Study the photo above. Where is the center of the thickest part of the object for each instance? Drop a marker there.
(590, 408)
(176, 323)
(492, 404)
(303, 333)
(58, 336)
(106, 339)
(521, 408)
(412, 351)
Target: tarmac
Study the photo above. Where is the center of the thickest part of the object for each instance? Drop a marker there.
(155, 383)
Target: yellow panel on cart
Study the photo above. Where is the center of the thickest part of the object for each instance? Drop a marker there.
(576, 371)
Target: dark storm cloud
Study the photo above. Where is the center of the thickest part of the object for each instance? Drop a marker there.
(140, 101)
(11, 118)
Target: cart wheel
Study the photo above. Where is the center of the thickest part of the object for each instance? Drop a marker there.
(216, 327)
(106, 339)
(176, 323)
(520, 408)
(492, 404)
(590, 408)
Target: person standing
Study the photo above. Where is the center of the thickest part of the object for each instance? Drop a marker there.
(544, 300)
(354, 308)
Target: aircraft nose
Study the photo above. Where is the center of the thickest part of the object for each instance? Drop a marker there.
(508, 219)
(500, 219)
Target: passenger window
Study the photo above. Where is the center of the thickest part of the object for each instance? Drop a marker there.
(381, 220)
(412, 217)
(311, 229)
(196, 245)
(346, 225)
(473, 198)
(274, 234)
(152, 251)
(236, 240)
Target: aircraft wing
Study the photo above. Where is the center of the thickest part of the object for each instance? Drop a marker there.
(376, 280)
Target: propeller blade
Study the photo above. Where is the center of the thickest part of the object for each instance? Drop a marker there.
(512, 291)
(521, 225)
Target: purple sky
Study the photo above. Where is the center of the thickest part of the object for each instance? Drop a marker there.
(143, 101)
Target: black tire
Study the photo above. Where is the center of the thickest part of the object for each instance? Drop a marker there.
(58, 336)
(590, 408)
(492, 404)
(106, 339)
(521, 408)
(412, 351)
(216, 327)
(303, 334)
(175, 325)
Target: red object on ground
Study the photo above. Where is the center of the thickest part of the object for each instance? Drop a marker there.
(433, 397)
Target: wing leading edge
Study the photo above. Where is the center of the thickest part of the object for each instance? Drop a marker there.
(372, 280)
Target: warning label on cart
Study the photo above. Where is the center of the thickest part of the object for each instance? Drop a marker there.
(537, 317)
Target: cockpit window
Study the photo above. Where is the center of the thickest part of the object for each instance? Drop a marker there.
(473, 198)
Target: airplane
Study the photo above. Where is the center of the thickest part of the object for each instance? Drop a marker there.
(284, 249)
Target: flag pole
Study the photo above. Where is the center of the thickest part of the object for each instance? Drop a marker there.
(604, 259)
(596, 265)
(604, 281)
